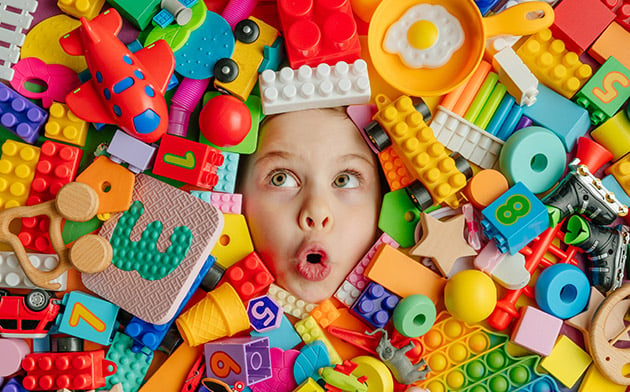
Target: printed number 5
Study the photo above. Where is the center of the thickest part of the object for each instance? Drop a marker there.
(609, 92)
(266, 316)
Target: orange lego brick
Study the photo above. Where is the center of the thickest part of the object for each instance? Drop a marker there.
(81, 8)
(64, 126)
(395, 171)
(553, 65)
(621, 171)
(608, 44)
(113, 183)
(17, 169)
(403, 275)
(325, 313)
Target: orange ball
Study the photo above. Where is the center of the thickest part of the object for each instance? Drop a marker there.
(485, 187)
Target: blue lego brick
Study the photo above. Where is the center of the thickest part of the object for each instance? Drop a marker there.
(227, 173)
(561, 116)
(312, 357)
(149, 336)
(514, 219)
(485, 5)
(375, 305)
(131, 366)
(610, 182)
(19, 115)
(88, 318)
(163, 18)
(510, 122)
(501, 114)
(284, 337)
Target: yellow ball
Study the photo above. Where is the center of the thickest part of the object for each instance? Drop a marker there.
(470, 296)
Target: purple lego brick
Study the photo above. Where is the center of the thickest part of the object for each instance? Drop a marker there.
(250, 354)
(375, 305)
(20, 116)
(128, 149)
(228, 203)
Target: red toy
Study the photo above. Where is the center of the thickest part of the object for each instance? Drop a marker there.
(249, 276)
(225, 121)
(126, 89)
(73, 370)
(29, 316)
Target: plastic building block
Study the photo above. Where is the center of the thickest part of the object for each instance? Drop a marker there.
(253, 35)
(514, 74)
(619, 183)
(249, 277)
(242, 359)
(312, 357)
(414, 315)
(21, 116)
(188, 161)
(12, 275)
(606, 91)
(175, 35)
(607, 45)
(112, 182)
(375, 305)
(355, 282)
(88, 318)
(567, 361)
(87, 9)
(64, 126)
(459, 135)
(325, 313)
(507, 270)
(579, 36)
(536, 330)
(234, 243)
(319, 32)
(227, 203)
(399, 217)
(226, 173)
(13, 352)
(534, 156)
(264, 313)
(128, 149)
(443, 242)
(75, 370)
(307, 88)
(395, 172)
(594, 381)
(389, 264)
(562, 290)
(131, 367)
(17, 169)
(220, 314)
(139, 13)
(282, 372)
(514, 219)
(17, 18)
(284, 337)
(482, 96)
(310, 331)
(485, 187)
(614, 135)
(172, 208)
(290, 303)
(59, 79)
(13, 385)
(622, 13)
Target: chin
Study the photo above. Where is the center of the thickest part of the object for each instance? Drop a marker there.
(312, 292)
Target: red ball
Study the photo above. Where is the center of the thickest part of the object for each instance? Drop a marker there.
(225, 121)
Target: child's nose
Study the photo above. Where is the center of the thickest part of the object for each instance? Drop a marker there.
(315, 215)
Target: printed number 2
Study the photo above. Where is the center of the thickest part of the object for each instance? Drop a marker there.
(222, 364)
(609, 92)
(81, 312)
(513, 209)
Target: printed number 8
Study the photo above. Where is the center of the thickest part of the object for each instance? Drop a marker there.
(515, 207)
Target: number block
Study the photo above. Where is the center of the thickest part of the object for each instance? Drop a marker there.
(88, 318)
(131, 367)
(514, 219)
(187, 161)
(242, 359)
(264, 313)
(606, 91)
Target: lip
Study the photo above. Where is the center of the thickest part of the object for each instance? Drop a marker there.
(313, 271)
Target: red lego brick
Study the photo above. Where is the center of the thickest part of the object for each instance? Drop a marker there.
(58, 165)
(621, 8)
(579, 22)
(73, 370)
(322, 31)
(249, 276)
(188, 161)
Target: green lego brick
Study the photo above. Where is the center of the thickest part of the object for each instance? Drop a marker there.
(138, 12)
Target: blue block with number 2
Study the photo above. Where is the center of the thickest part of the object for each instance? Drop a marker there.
(514, 219)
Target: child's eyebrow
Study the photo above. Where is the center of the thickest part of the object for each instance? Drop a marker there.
(355, 156)
(286, 155)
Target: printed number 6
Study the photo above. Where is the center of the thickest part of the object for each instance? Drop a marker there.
(515, 207)
(222, 364)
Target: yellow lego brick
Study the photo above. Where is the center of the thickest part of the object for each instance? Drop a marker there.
(248, 57)
(567, 361)
(594, 381)
(310, 331)
(325, 313)
(395, 171)
(621, 171)
(423, 155)
(17, 169)
(553, 65)
(234, 243)
(614, 134)
(64, 126)
(309, 385)
(78, 8)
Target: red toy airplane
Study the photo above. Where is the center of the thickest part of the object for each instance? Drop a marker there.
(126, 89)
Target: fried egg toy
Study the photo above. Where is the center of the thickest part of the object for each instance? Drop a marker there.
(425, 36)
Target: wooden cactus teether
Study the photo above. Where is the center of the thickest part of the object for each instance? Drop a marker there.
(90, 253)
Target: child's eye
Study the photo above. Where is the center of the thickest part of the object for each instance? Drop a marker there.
(283, 178)
(346, 180)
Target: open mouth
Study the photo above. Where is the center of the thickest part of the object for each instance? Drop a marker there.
(313, 264)
(314, 258)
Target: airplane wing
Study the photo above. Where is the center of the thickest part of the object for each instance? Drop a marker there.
(85, 103)
(158, 61)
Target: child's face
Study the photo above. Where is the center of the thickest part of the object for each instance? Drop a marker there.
(311, 198)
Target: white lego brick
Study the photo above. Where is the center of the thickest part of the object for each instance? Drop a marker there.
(514, 74)
(126, 148)
(24, 5)
(459, 135)
(320, 87)
(289, 303)
(16, 18)
(347, 293)
(13, 277)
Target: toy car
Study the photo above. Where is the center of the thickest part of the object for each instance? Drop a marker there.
(27, 316)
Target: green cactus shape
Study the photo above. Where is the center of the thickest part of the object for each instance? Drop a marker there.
(143, 255)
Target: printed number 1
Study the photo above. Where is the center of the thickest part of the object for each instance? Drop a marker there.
(187, 161)
(81, 312)
(515, 207)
